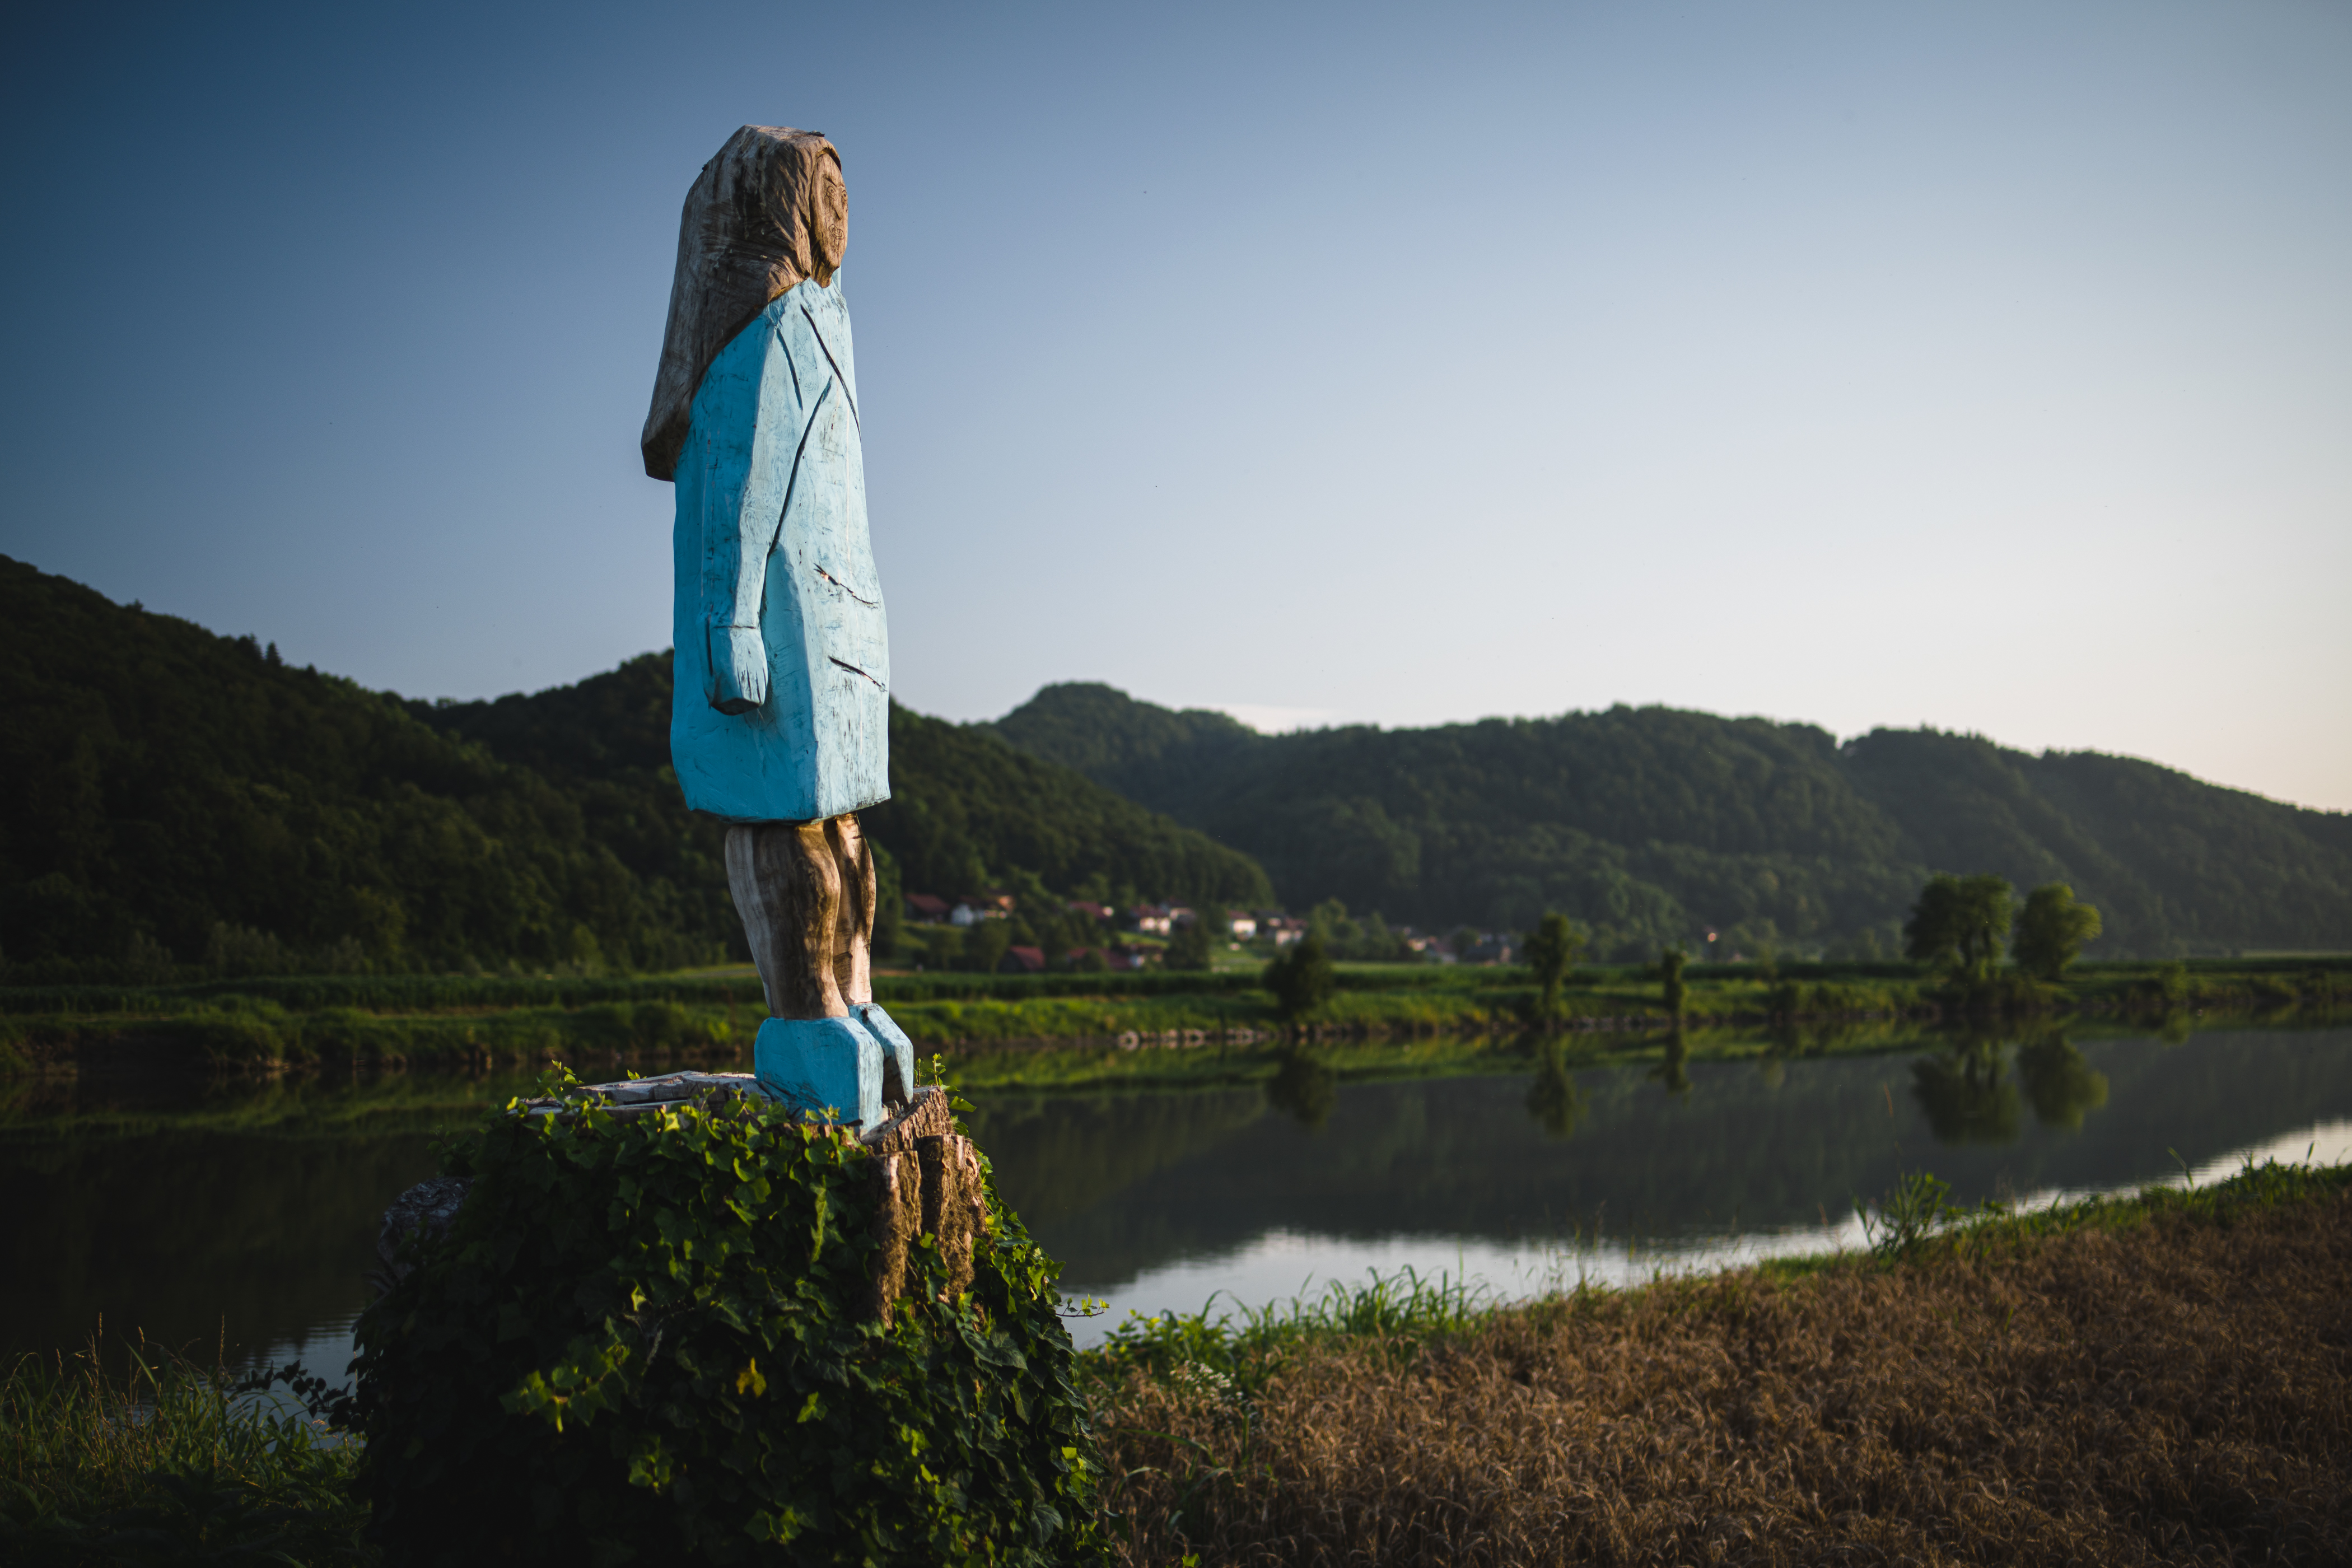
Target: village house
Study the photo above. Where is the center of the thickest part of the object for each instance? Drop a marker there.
(1243, 923)
(926, 909)
(1022, 960)
(973, 907)
(1284, 929)
(1151, 919)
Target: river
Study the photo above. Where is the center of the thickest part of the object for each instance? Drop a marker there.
(239, 1219)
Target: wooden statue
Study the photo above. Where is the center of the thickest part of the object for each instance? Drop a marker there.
(781, 721)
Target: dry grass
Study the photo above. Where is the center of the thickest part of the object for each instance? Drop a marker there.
(2174, 1389)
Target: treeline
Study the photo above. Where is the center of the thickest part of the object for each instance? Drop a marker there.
(172, 801)
(967, 810)
(169, 796)
(1651, 826)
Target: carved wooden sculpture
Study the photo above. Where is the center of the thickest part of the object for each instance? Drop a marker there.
(781, 719)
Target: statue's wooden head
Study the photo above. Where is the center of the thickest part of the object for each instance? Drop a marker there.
(768, 213)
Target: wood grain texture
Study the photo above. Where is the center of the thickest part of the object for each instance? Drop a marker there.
(954, 1209)
(853, 937)
(786, 880)
(897, 1221)
(768, 211)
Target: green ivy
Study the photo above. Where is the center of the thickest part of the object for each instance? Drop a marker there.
(650, 1339)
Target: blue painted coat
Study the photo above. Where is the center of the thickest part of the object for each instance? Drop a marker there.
(782, 707)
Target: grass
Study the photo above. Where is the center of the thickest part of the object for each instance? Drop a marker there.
(268, 1025)
(2151, 1378)
(2158, 1376)
(165, 1462)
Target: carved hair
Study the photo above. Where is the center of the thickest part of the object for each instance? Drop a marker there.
(768, 212)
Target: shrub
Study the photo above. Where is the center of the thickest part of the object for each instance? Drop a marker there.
(237, 1037)
(652, 1337)
(1301, 978)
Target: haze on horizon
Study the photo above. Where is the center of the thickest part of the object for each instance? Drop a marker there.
(1986, 366)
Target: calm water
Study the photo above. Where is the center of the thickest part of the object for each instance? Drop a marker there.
(248, 1216)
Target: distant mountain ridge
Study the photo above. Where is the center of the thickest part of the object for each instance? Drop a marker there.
(1651, 825)
(164, 790)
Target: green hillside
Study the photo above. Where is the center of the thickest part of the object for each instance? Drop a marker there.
(967, 810)
(170, 795)
(1651, 825)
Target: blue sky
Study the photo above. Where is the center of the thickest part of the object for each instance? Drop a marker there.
(1981, 365)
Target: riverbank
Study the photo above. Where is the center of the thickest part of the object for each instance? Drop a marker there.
(370, 1022)
(2160, 1377)
(2152, 1378)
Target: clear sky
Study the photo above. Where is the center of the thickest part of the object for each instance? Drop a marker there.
(1985, 365)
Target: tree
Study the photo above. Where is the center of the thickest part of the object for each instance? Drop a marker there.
(1190, 945)
(2052, 929)
(1959, 921)
(1301, 978)
(1670, 975)
(985, 945)
(1552, 950)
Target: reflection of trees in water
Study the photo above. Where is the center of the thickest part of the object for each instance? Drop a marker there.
(1670, 1072)
(1552, 1099)
(2059, 1083)
(190, 1235)
(1058, 1154)
(1970, 1096)
(1965, 1091)
(1304, 1087)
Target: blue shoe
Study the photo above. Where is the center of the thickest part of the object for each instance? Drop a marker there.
(830, 1066)
(894, 1040)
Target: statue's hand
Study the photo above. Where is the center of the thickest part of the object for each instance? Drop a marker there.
(739, 670)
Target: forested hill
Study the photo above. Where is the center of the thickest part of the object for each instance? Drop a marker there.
(1651, 823)
(967, 809)
(169, 794)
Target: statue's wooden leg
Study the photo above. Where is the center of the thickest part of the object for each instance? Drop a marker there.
(853, 955)
(853, 943)
(787, 882)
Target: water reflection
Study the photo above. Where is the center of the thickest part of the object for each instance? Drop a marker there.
(1672, 1072)
(1304, 1087)
(256, 1205)
(216, 1216)
(2060, 1082)
(1970, 1090)
(1966, 1093)
(1552, 1099)
(1668, 1149)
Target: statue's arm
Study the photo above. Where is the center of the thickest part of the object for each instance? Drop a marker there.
(755, 422)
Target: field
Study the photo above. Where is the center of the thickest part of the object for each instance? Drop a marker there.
(1065, 1029)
